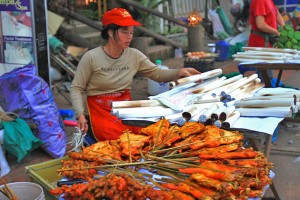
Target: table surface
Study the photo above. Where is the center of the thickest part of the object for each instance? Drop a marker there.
(263, 67)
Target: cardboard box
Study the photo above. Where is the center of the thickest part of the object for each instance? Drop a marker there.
(45, 175)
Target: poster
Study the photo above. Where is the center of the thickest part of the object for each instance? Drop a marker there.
(16, 43)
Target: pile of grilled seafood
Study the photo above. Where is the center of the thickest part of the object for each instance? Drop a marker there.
(194, 161)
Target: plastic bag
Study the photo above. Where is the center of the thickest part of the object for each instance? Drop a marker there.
(4, 167)
(217, 24)
(29, 96)
(225, 21)
(18, 139)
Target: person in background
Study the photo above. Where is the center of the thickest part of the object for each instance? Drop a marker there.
(105, 74)
(264, 19)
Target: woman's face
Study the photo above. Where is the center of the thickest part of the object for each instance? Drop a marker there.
(124, 37)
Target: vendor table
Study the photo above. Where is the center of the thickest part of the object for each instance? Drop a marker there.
(263, 67)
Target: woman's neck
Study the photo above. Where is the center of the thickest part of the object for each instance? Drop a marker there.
(112, 51)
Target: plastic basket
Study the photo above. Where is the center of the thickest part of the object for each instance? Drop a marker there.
(25, 191)
(200, 64)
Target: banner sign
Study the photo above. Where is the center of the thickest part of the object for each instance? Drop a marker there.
(22, 35)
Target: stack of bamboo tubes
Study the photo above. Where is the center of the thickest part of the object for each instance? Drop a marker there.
(254, 54)
(214, 97)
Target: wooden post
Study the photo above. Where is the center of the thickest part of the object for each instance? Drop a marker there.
(99, 9)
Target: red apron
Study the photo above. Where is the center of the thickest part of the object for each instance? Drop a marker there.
(104, 125)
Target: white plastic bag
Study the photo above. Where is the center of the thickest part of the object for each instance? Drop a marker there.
(216, 22)
(4, 167)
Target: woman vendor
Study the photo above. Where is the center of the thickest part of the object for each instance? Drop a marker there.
(105, 74)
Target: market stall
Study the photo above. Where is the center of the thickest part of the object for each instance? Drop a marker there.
(186, 137)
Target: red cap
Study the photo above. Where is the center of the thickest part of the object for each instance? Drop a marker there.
(120, 17)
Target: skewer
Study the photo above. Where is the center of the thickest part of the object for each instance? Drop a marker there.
(107, 166)
(129, 146)
(11, 193)
(4, 193)
(172, 161)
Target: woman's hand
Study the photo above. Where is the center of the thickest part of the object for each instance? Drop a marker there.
(184, 72)
(82, 123)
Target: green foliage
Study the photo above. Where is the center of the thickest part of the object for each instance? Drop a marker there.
(152, 22)
(91, 14)
(289, 38)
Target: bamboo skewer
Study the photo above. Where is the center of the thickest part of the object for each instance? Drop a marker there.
(11, 194)
(129, 146)
(107, 166)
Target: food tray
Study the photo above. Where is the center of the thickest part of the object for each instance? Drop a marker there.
(45, 175)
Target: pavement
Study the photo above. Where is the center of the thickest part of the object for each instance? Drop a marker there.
(285, 151)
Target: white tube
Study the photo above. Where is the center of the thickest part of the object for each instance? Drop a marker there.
(231, 120)
(263, 103)
(266, 112)
(207, 114)
(226, 113)
(115, 111)
(137, 103)
(144, 112)
(195, 78)
(216, 113)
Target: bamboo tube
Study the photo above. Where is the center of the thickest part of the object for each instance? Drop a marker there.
(240, 83)
(202, 85)
(259, 57)
(218, 123)
(266, 112)
(137, 103)
(250, 60)
(144, 112)
(207, 114)
(263, 103)
(196, 78)
(173, 91)
(188, 114)
(216, 113)
(249, 52)
(220, 83)
(218, 91)
(226, 113)
(267, 98)
(231, 120)
(247, 90)
(210, 84)
(277, 92)
(262, 49)
(115, 111)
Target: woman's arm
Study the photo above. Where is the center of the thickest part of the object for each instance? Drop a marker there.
(264, 27)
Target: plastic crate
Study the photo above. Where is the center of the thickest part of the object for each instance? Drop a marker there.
(46, 176)
(202, 65)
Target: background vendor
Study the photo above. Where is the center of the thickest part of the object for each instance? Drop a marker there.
(105, 74)
(264, 19)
